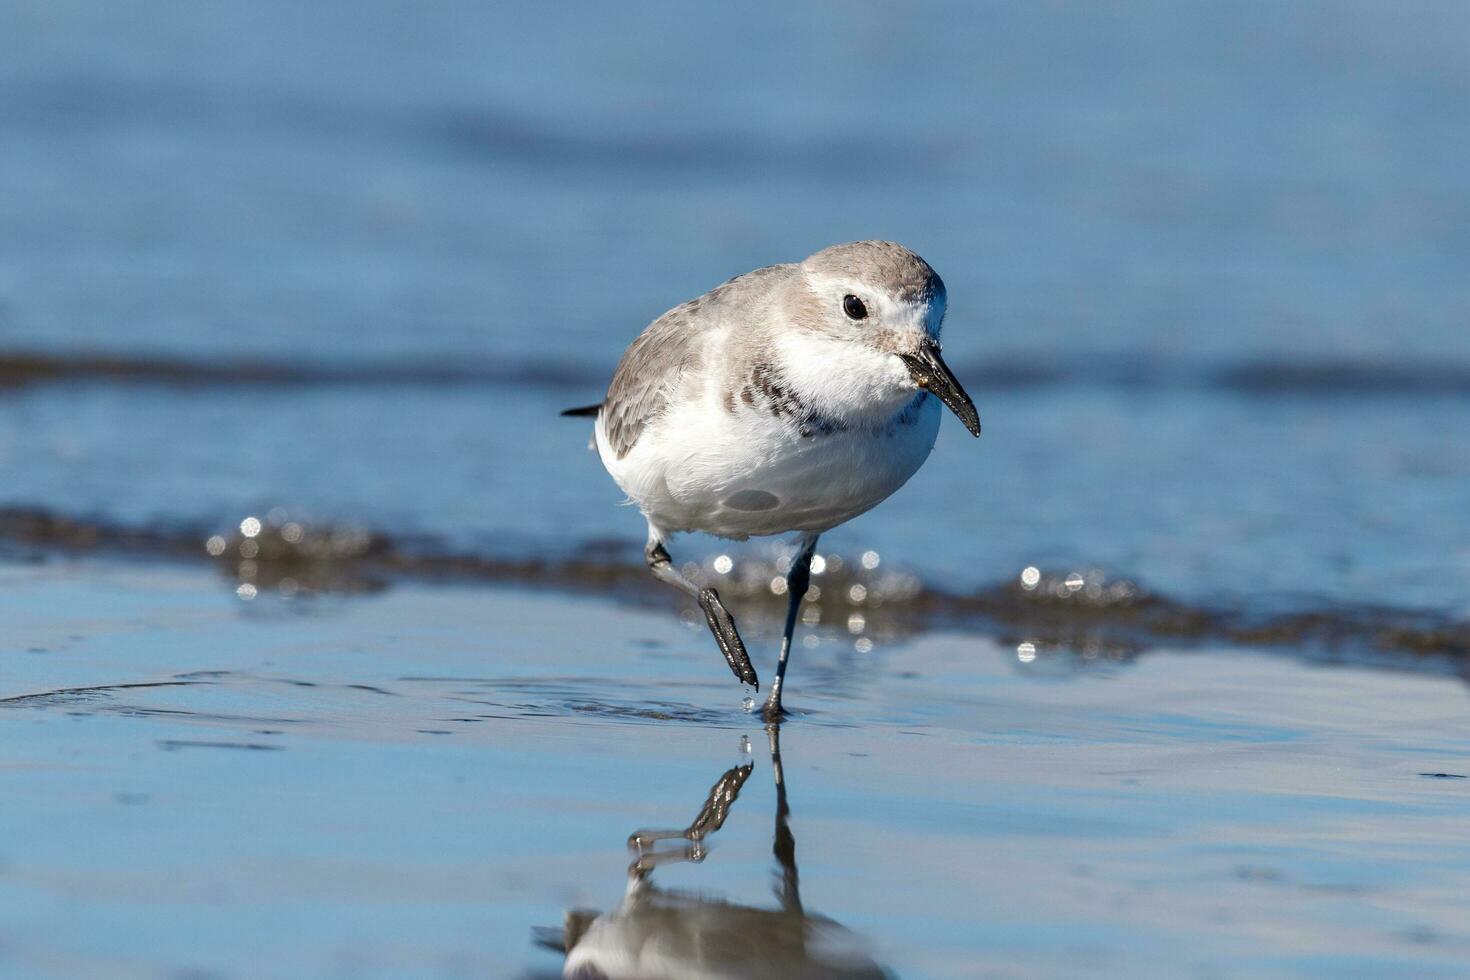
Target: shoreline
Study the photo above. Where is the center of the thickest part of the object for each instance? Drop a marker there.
(1087, 613)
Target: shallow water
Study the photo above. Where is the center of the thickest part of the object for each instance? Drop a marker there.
(337, 267)
(1206, 270)
(428, 782)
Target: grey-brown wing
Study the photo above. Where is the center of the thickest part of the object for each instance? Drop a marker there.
(654, 365)
(648, 375)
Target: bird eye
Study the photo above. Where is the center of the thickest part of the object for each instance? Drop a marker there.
(854, 307)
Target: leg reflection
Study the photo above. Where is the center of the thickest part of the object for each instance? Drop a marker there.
(711, 817)
(656, 933)
(784, 845)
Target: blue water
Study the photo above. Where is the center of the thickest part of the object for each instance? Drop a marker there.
(1209, 280)
(1155, 191)
(419, 783)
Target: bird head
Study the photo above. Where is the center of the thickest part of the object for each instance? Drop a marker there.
(888, 300)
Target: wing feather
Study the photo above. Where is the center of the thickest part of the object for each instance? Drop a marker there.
(655, 364)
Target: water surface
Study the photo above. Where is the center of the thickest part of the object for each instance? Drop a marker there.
(437, 782)
(1161, 677)
(1206, 269)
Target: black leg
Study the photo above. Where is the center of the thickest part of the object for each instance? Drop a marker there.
(720, 622)
(797, 581)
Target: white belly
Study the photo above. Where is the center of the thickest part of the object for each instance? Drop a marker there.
(745, 473)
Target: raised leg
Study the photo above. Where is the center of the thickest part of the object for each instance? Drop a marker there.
(797, 581)
(721, 623)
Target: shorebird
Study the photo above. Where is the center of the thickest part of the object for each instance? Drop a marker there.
(788, 399)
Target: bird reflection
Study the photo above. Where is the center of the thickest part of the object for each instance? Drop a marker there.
(656, 934)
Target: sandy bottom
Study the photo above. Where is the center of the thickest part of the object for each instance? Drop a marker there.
(442, 782)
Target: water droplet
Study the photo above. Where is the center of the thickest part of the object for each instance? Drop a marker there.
(215, 545)
(1030, 576)
(723, 564)
(1026, 652)
(749, 705)
(250, 527)
(870, 560)
(819, 564)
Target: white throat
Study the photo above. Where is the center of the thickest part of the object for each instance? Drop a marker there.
(842, 380)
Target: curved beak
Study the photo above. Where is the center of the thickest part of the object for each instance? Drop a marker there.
(932, 374)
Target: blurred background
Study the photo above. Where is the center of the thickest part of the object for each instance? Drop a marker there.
(300, 288)
(1207, 267)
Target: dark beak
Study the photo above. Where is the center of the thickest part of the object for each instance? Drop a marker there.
(932, 374)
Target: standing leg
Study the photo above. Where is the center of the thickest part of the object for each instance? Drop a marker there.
(721, 623)
(797, 581)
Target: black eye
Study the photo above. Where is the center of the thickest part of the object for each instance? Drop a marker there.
(854, 307)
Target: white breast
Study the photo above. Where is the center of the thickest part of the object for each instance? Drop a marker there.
(702, 467)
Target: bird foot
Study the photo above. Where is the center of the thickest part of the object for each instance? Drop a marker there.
(722, 625)
(772, 713)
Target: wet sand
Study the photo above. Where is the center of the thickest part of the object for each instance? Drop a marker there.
(441, 781)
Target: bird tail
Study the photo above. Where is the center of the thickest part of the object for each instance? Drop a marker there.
(586, 411)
